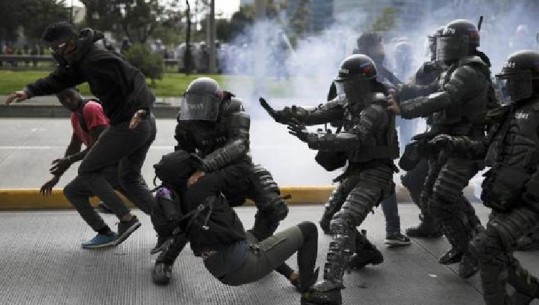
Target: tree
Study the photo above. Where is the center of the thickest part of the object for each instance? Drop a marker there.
(10, 13)
(42, 13)
(135, 19)
(300, 21)
(32, 16)
(149, 63)
(385, 22)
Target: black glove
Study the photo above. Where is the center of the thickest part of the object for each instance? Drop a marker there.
(59, 166)
(442, 142)
(298, 129)
(196, 161)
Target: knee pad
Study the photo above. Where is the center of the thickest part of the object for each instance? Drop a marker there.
(486, 246)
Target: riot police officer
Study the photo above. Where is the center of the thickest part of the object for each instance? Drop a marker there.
(368, 142)
(456, 105)
(213, 126)
(511, 187)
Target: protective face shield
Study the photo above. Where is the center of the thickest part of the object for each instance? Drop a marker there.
(356, 90)
(431, 43)
(518, 75)
(355, 75)
(201, 101)
(458, 39)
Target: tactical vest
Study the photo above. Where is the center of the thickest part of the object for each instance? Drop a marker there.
(382, 144)
(515, 143)
(467, 117)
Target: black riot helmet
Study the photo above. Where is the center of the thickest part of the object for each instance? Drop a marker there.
(201, 100)
(459, 39)
(520, 75)
(356, 74)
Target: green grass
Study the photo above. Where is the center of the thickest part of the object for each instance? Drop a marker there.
(172, 84)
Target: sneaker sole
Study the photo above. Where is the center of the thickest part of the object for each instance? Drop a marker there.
(125, 235)
(106, 245)
(392, 243)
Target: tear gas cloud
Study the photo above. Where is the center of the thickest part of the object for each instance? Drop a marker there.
(265, 52)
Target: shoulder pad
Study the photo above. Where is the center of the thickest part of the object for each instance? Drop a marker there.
(535, 104)
(472, 60)
(378, 98)
(339, 101)
(233, 105)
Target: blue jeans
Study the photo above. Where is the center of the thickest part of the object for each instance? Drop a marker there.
(391, 213)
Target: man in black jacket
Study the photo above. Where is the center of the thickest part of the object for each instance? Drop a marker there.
(126, 100)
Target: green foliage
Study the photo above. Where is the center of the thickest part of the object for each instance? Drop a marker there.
(387, 21)
(151, 64)
(300, 21)
(31, 15)
(171, 84)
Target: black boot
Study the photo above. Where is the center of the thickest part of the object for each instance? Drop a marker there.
(365, 252)
(161, 273)
(468, 266)
(328, 291)
(452, 256)
(323, 293)
(526, 285)
(427, 228)
(162, 270)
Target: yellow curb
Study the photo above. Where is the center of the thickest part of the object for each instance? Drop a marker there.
(30, 199)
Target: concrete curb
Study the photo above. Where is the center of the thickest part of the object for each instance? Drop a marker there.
(30, 199)
(51, 111)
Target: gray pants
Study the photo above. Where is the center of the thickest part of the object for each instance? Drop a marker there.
(128, 148)
(78, 194)
(265, 256)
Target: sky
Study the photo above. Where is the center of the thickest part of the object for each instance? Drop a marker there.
(226, 7)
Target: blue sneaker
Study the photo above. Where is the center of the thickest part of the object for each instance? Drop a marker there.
(100, 241)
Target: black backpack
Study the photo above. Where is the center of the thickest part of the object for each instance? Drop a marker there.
(80, 115)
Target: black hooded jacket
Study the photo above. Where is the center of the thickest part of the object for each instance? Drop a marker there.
(119, 86)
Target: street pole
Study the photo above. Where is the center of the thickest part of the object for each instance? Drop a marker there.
(71, 13)
(211, 38)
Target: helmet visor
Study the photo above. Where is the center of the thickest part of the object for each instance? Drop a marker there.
(451, 47)
(515, 85)
(199, 106)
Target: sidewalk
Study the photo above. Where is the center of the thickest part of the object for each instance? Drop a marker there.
(42, 263)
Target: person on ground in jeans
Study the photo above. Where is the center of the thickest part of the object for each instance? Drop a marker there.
(88, 122)
(213, 125)
(127, 102)
(216, 233)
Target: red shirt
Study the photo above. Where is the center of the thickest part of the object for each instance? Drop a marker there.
(93, 116)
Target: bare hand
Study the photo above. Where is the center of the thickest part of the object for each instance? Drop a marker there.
(194, 178)
(17, 96)
(137, 118)
(59, 166)
(46, 189)
(393, 104)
